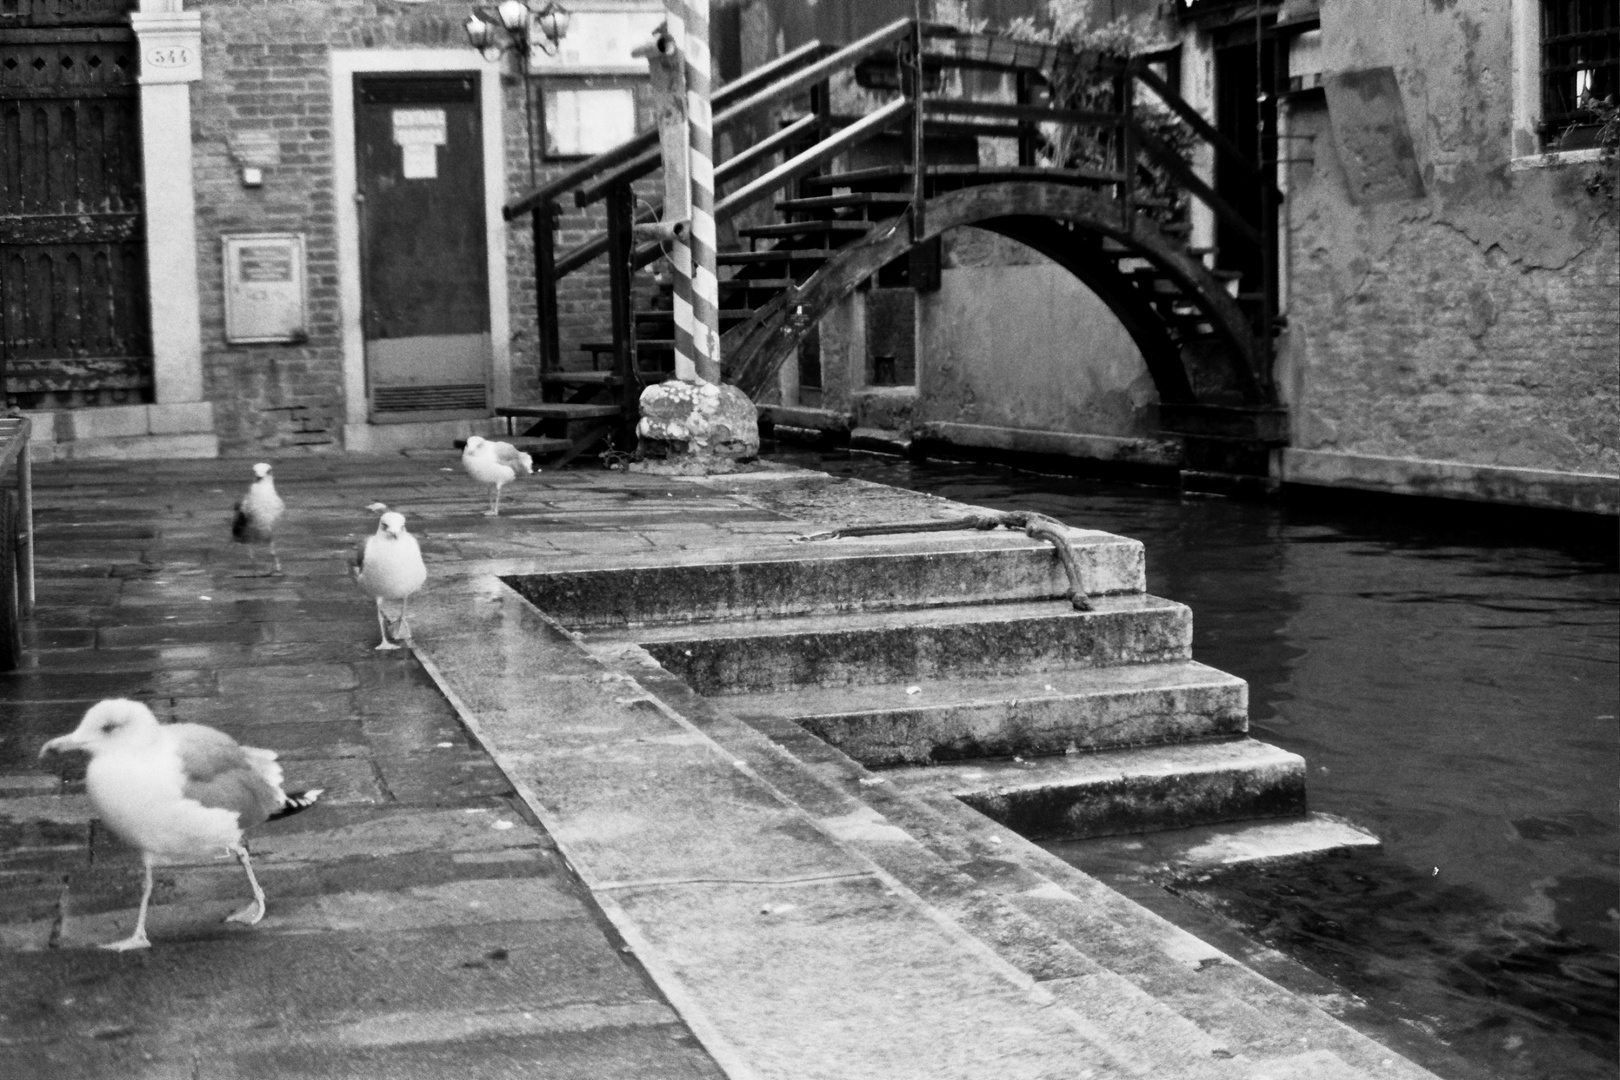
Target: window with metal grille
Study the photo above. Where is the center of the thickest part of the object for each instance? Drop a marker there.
(1580, 70)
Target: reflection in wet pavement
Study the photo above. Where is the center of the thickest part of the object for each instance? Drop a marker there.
(1451, 681)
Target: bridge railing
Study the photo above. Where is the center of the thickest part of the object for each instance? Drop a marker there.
(608, 177)
(1124, 146)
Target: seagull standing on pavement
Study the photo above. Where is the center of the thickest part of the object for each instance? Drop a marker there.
(389, 566)
(496, 464)
(179, 793)
(256, 515)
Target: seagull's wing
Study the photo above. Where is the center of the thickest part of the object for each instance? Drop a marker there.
(512, 458)
(357, 559)
(239, 524)
(220, 774)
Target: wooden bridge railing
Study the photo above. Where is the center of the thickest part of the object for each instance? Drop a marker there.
(1139, 162)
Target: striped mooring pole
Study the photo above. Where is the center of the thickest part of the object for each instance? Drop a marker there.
(697, 282)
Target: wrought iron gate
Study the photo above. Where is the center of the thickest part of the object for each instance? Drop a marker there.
(73, 293)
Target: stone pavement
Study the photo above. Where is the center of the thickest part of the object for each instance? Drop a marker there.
(419, 923)
(538, 856)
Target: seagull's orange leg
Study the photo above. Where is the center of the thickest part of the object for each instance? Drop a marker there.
(138, 939)
(254, 911)
(275, 559)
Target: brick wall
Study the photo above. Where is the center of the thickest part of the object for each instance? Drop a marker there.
(1477, 325)
(267, 68)
(1440, 349)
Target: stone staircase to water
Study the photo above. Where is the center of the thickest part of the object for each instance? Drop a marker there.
(930, 703)
(955, 663)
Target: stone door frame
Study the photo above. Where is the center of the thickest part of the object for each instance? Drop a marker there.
(359, 432)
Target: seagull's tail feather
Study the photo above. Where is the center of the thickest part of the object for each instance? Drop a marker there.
(296, 801)
(528, 463)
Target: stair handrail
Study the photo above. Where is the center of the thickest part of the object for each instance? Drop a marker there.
(804, 163)
(1195, 120)
(728, 111)
(613, 157)
(1190, 181)
(597, 246)
(1264, 237)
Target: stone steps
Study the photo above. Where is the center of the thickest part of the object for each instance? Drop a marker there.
(1139, 789)
(1163, 1002)
(839, 576)
(978, 641)
(1025, 714)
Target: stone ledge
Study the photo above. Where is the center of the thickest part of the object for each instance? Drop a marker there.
(880, 440)
(123, 422)
(130, 448)
(1063, 443)
(801, 416)
(1592, 493)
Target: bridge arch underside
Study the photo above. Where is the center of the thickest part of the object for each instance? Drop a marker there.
(1067, 225)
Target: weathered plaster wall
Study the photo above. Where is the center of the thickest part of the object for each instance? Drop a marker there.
(1011, 339)
(1475, 318)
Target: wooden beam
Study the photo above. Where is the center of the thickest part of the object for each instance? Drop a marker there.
(795, 167)
(804, 79)
(1026, 113)
(1171, 161)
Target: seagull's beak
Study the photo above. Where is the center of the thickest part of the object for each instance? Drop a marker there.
(60, 743)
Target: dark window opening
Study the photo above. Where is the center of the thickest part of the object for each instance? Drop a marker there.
(810, 359)
(1251, 124)
(891, 342)
(1580, 62)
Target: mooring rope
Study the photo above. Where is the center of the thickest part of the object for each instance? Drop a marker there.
(1035, 526)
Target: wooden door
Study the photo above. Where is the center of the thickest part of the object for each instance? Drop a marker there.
(424, 268)
(74, 314)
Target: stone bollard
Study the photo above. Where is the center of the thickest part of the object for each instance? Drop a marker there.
(695, 428)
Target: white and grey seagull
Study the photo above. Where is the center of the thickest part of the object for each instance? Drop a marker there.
(496, 464)
(180, 793)
(256, 515)
(389, 566)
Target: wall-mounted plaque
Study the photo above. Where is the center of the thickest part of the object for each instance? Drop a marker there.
(264, 287)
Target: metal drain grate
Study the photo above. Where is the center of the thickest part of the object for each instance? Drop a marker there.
(393, 399)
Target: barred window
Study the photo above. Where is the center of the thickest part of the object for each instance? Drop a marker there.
(1580, 68)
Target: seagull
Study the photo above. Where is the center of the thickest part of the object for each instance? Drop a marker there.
(256, 515)
(178, 792)
(389, 567)
(496, 464)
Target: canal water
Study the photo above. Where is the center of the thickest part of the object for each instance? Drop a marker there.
(1452, 679)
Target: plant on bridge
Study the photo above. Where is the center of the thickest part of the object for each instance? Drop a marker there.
(1087, 85)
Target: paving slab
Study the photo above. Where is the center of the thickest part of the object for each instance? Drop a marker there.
(419, 923)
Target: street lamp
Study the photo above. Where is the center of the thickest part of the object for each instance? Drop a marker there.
(515, 21)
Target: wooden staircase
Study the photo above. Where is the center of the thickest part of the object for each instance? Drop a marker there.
(1123, 227)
